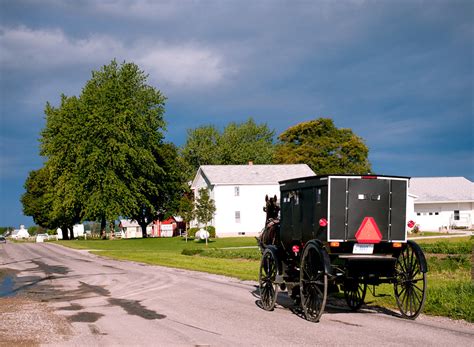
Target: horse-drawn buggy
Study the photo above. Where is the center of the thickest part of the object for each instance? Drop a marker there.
(341, 233)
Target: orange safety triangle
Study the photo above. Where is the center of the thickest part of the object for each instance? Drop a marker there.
(368, 231)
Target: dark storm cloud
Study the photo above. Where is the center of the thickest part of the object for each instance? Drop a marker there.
(399, 73)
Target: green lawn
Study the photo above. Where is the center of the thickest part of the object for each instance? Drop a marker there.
(450, 289)
(433, 233)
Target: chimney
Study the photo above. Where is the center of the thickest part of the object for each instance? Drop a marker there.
(250, 162)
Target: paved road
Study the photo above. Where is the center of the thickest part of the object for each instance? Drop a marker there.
(108, 302)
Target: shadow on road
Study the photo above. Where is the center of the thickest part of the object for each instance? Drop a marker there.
(334, 305)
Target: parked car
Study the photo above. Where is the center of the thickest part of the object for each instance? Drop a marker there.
(3, 239)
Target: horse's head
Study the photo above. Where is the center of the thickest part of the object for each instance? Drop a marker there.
(271, 207)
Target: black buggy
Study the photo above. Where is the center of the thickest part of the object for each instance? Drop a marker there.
(341, 233)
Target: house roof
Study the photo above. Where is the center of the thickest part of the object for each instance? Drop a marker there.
(127, 223)
(442, 189)
(251, 174)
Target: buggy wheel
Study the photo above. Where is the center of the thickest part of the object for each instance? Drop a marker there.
(410, 285)
(268, 287)
(354, 292)
(313, 282)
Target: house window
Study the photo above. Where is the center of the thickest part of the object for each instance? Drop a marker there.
(418, 214)
(237, 216)
(456, 215)
(236, 191)
(318, 196)
(436, 213)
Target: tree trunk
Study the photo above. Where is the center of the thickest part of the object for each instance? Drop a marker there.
(112, 229)
(103, 235)
(71, 233)
(143, 226)
(64, 231)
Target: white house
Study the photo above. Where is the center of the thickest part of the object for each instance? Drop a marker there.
(442, 202)
(77, 229)
(21, 233)
(131, 229)
(239, 193)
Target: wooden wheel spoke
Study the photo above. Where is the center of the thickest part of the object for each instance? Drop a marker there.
(415, 295)
(410, 286)
(268, 287)
(313, 283)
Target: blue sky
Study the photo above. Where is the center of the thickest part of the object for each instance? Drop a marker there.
(399, 73)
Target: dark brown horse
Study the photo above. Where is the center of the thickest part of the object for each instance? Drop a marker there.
(272, 222)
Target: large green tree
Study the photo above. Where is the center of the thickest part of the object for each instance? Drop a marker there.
(201, 148)
(39, 202)
(245, 142)
(60, 142)
(238, 144)
(105, 149)
(324, 147)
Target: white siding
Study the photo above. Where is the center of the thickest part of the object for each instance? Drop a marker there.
(437, 216)
(249, 203)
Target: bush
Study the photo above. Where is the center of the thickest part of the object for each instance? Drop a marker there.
(188, 251)
(192, 232)
(247, 253)
(443, 247)
(449, 263)
(210, 229)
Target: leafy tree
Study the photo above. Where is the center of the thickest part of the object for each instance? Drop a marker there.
(35, 229)
(162, 191)
(186, 209)
(5, 230)
(245, 142)
(205, 207)
(238, 144)
(201, 148)
(60, 143)
(38, 202)
(122, 124)
(325, 148)
(105, 150)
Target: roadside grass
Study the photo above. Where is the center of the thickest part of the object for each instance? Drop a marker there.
(447, 240)
(450, 291)
(433, 233)
(168, 252)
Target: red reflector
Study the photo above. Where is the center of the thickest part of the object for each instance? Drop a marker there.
(370, 177)
(368, 231)
(323, 222)
(411, 224)
(295, 249)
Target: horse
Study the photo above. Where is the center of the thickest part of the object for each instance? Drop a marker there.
(272, 222)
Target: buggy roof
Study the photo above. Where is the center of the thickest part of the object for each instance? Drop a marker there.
(319, 177)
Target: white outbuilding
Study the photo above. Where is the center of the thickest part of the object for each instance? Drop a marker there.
(77, 229)
(21, 233)
(239, 193)
(443, 203)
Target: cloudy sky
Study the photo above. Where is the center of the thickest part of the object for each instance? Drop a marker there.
(399, 73)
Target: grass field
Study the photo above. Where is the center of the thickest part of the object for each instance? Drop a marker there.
(450, 289)
(168, 252)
